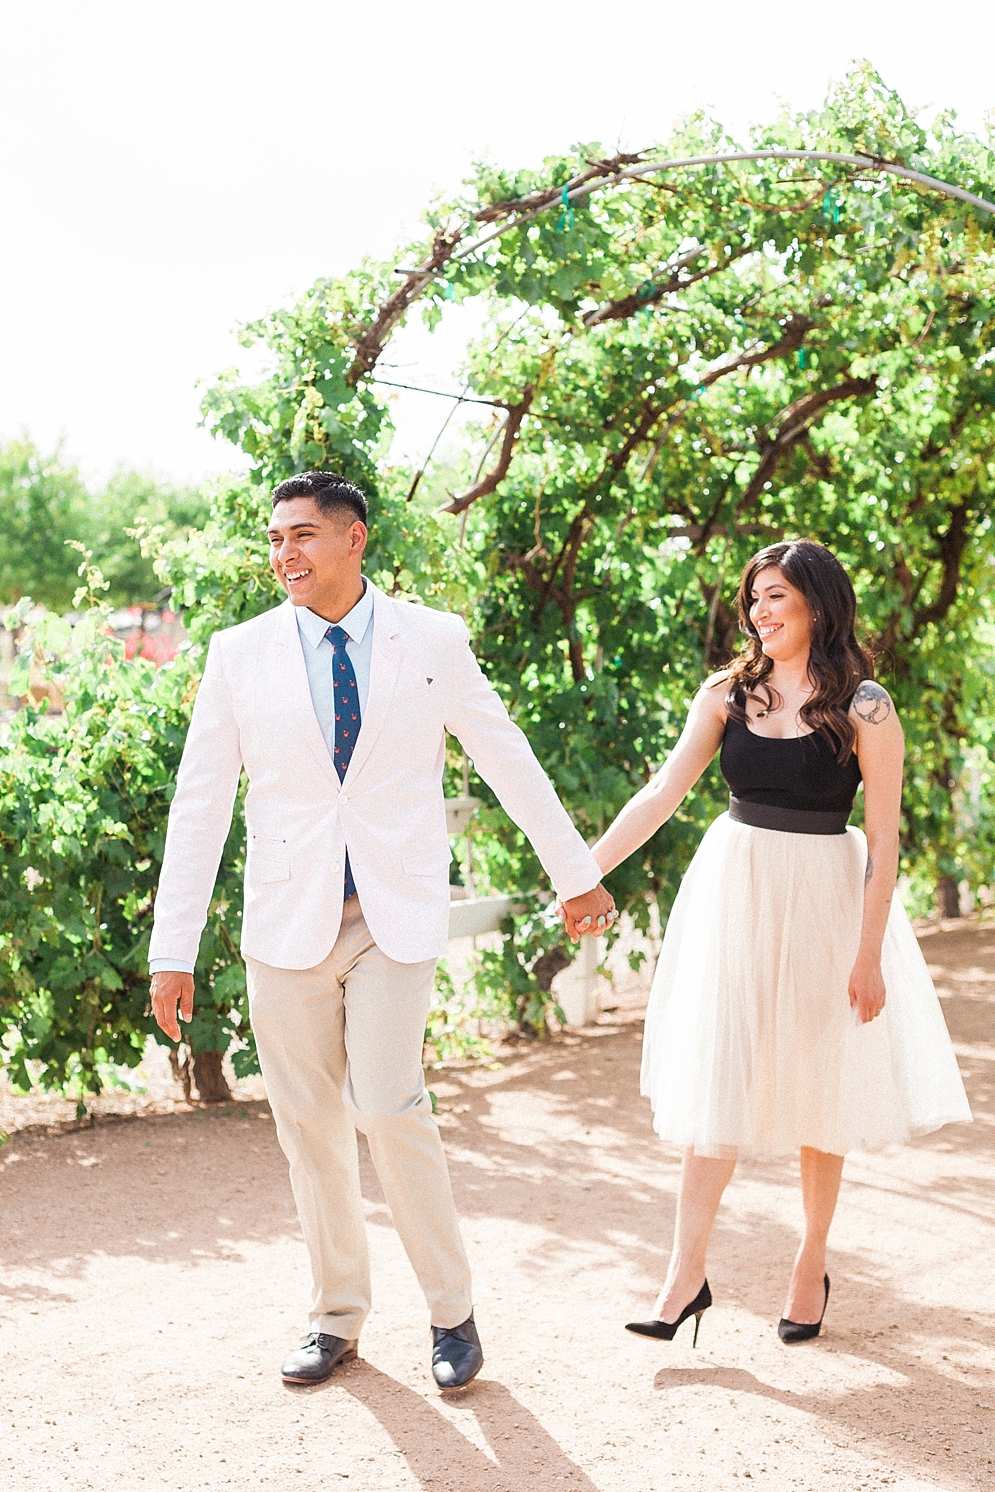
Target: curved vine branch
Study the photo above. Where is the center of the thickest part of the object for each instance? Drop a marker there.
(375, 337)
(579, 187)
(651, 292)
(487, 484)
(796, 328)
(793, 425)
(451, 245)
(550, 196)
(951, 546)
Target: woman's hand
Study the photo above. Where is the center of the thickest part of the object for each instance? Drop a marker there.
(867, 990)
(591, 914)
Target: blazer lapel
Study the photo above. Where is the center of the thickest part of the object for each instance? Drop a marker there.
(385, 662)
(283, 678)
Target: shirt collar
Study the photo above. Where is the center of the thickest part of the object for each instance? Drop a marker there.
(355, 622)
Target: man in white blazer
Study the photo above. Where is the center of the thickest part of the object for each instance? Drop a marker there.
(336, 705)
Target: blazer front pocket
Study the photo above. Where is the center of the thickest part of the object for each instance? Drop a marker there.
(266, 868)
(268, 860)
(427, 863)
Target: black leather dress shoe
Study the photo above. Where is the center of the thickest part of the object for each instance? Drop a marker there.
(314, 1361)
(456, 1354)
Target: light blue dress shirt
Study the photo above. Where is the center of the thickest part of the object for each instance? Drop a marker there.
(358, 625)
(311, 628)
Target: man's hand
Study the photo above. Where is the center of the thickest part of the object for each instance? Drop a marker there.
(594, 912)
(169, 989)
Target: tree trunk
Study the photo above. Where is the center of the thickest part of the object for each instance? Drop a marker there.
(209, 1077)
(548, 965)
(181, 1071)
(947, 897)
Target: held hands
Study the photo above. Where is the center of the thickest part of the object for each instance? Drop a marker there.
(168, 990)
(866, 990)
(594, 912)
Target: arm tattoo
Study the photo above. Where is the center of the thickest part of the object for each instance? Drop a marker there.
(872, 704)
(869, 871)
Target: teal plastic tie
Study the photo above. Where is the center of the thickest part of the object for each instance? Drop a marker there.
(448, 292)
(830, 207)
(802, 358)
(567, 217)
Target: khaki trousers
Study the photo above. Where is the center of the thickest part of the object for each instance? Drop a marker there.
(340, 1047)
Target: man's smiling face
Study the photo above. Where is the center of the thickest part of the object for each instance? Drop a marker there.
(315, 556)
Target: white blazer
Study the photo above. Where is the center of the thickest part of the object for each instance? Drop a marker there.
(254, 710)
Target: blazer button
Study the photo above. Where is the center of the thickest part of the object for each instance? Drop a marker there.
(335, 865)
(343, 798)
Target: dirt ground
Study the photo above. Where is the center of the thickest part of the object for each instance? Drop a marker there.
(152, 1277)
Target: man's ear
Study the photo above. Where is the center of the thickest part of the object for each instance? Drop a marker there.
(358, 535)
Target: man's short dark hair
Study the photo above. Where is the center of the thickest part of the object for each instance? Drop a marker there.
(330, 492)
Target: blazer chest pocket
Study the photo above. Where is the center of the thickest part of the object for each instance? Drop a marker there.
(268, 860)
(423, 703)
(420, 689)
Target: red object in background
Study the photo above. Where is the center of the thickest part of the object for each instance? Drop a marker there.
(158, 646)
(151, 645)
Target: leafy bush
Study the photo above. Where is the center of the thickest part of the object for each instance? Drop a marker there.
(84, 801)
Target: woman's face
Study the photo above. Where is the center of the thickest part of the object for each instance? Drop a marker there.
(781, 615)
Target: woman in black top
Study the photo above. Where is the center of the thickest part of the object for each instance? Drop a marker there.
(791, 1007)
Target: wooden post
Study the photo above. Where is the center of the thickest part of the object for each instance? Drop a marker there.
(579, 986)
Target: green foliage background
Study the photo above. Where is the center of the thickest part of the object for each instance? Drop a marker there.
(45, 505)
(679, 369)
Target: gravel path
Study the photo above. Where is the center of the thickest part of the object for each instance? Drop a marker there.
(152, 1276)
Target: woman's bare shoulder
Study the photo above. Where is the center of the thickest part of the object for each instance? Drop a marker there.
(712, 695)
(872, 703)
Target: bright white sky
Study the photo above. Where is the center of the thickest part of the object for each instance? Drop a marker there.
(172, 170)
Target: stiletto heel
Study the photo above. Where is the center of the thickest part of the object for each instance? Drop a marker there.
(665, 1330)
(802, 1331)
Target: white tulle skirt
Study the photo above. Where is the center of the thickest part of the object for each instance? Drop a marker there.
(751, 1045)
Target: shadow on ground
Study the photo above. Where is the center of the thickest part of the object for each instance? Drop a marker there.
(559, 1141)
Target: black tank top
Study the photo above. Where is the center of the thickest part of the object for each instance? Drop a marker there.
(801, 772)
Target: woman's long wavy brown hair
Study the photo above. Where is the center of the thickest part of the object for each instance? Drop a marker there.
(837, 661)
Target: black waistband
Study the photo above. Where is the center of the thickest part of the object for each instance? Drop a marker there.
(787, 820)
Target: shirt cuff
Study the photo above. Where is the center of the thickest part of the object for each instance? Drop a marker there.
(169, 966)
(581, 881)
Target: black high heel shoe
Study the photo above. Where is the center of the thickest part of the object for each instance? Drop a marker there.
(802, 1331)
(665, 1329)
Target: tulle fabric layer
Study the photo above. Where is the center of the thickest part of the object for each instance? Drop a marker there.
(751, 1045)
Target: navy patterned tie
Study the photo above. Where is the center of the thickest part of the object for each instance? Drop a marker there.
(347, 720)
